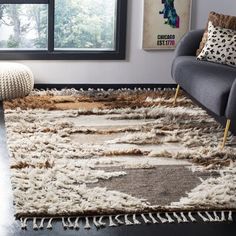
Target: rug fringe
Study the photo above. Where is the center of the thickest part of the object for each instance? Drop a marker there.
(40, 223)
(72, 91)
(49, 226)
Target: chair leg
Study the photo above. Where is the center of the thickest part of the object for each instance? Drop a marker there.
(176, 94)
(226, 133)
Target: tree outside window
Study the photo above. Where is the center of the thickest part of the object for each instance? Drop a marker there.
(60, 28)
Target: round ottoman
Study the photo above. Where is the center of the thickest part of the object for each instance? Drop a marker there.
(16, 80)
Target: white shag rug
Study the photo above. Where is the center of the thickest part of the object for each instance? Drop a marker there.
(109, 153)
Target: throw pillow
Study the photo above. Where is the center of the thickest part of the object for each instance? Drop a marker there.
(220, 46)
(224, 21)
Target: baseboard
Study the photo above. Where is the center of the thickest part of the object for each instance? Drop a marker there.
(103, 86)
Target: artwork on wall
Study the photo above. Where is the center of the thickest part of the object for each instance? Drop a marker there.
(165, 23)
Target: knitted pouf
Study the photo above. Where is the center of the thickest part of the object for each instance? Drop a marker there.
(16, 80)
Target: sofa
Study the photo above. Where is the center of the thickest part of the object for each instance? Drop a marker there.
(211, 85)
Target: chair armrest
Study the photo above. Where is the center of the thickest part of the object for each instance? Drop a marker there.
(189, 44)
(231, 106)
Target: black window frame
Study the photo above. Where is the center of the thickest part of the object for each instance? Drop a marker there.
(50, 54)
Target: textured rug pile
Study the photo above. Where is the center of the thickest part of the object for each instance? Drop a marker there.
(117, 155)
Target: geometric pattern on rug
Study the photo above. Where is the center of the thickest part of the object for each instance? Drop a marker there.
(95, 152)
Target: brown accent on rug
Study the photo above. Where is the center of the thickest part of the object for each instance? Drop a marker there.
(94, 99)
(147, 182)
(78, 153)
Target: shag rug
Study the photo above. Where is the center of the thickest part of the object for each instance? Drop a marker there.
(117, 154)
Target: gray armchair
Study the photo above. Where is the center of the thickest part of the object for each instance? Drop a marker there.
(210, 84)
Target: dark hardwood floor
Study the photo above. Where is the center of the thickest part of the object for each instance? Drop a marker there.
(10, 227)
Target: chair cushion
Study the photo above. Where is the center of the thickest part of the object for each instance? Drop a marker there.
(207, 82)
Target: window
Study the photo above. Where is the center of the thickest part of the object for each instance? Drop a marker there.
(62, 29)
(23, 27)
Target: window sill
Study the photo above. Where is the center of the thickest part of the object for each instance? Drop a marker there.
(62, 55)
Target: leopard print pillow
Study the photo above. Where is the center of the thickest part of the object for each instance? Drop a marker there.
(219, 20)
(220, 46)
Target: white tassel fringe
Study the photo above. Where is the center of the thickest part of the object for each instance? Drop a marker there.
(113, 221)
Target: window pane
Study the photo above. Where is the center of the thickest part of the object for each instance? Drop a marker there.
(23, 26)
(85, 24)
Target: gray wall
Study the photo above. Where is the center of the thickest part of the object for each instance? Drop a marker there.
(140, 66)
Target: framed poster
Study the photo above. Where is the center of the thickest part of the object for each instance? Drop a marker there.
(165, 23)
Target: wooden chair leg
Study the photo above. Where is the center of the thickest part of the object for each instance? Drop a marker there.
(226, 133)
(176, 94)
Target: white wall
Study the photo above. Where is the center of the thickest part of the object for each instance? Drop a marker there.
(140, 66)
